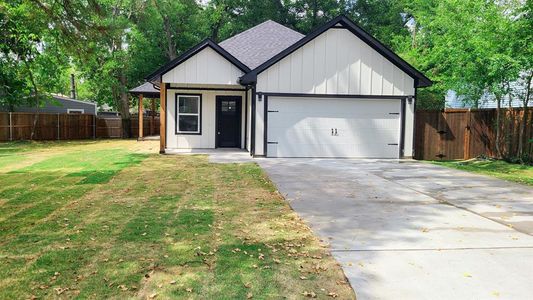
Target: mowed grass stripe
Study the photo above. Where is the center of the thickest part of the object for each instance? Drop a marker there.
(146, 224)
(52, 186)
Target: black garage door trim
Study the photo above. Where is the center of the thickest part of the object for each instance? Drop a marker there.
(266, 111)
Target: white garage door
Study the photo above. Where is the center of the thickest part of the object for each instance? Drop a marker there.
(333, 127)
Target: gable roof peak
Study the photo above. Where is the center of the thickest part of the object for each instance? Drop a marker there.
(420, 79)
(208, 42)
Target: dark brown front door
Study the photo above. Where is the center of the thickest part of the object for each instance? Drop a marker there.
(228, 127)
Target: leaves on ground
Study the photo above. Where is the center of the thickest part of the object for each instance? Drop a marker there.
(108, 220)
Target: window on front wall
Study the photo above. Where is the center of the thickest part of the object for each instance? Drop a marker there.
(188, 114)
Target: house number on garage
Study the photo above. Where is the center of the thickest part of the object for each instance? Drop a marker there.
(334, 132)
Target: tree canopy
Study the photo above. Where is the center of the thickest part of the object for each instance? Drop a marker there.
(470, 46)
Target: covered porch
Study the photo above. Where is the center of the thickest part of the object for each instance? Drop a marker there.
(205, 116)
(202, 103)
(151, 128)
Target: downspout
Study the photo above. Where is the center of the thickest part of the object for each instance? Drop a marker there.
(413, 152)
(402, 127)
(252, 131)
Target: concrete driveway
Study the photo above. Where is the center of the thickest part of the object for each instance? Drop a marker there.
(411, 230)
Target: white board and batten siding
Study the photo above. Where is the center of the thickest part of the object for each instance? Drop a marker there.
(338, 62)
(205, 140)
(206, 67)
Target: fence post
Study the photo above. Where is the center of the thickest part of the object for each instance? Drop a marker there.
(10, 126)
(466, 145)
(440, 130)
(58, 136)
(94, 127)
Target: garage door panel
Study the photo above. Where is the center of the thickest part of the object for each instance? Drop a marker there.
(332, 116)
(332, 150)
(287, 105)
(313, 136)
(281, 120)
(302, 127)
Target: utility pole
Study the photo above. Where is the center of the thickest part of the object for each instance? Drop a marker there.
(72, 87)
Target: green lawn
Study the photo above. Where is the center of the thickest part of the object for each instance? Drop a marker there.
(497, 168)
(111, 219)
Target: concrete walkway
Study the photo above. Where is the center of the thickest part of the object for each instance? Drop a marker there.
(220, 155)
(411, 230)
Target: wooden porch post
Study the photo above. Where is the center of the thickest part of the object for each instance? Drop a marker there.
(162, 117)
(140, 117)
(152, 118)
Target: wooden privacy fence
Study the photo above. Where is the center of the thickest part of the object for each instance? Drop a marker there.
(19, 126)
(465, 134)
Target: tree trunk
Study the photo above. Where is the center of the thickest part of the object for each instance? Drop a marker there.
(498, 121)
(413, 44)
(215, 29)
(34, 125)
(36, 95)
(169, 33)
(524, 120)
(315, 14)
(521, 133)
(124, 106)
(283, 15)
(509, 130)
(171, 47)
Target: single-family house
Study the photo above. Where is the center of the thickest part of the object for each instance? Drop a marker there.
(336, 92)
(58, 104)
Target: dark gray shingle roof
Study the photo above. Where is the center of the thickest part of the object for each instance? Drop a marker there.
(260, 43)
(146, 89)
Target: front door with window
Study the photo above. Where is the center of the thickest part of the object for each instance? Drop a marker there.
(228, 131)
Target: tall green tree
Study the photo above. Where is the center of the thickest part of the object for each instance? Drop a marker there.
(31, 62)
(115, 43)
(523, 48)
(469, 46)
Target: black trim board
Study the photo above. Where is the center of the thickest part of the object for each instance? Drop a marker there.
(206, 89)
(402, 128)
(349, 96)
(167, 85)
(348, 24)
(265, 126)
(176, 104)
(151, 95)
(413, 153)
(191, 52)
(246, 119)
(252, 130)
(402, 99)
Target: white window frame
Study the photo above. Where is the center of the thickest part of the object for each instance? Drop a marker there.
(198, 114)
(71, 110)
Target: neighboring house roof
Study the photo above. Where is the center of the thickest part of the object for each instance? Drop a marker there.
(147, 89)
(65, 98)
(260, 43)
(343, 22)
(452, 100)
(58, 104)
(155, 76)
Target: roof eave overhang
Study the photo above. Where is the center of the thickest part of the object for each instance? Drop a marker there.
(342, 22)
